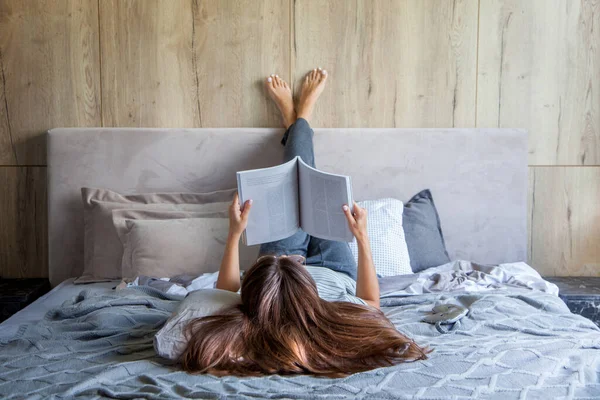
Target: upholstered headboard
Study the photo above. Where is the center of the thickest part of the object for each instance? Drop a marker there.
(478, 177)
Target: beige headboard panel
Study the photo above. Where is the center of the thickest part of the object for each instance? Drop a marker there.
(478, 177)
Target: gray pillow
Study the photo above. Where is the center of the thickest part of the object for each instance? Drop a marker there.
(102, 248)
(164, 244)
(423, 232)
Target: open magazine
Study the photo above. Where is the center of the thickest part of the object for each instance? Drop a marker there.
(294, 196)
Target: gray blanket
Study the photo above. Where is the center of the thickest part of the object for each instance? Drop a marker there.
(514, 344)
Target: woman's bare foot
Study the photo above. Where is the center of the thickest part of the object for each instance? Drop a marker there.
(312, 87)
(281, 94)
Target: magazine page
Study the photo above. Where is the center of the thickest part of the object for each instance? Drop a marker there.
(322, 196)
(274, 194)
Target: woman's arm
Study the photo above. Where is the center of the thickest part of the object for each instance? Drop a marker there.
(229, 273)
(367, 285)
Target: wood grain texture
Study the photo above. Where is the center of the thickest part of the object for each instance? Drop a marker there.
(148, 77)
(539, 69)
(530, 177)
(23, 218)
(565, 220)
(50, 73)
(237, 43)
(8, 151)
(196, 64)
(392, 63)
(531, 64)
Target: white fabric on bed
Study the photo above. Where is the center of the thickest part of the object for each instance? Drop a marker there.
(170, 342)
(331, 285)
(455, 276)
(466, 276)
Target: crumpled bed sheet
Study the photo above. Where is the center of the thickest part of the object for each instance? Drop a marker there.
(515, 343)
(457, 275)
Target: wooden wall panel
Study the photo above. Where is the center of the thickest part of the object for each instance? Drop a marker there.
(539, 69)
(23, 216)
(148, 77)
(237, 44)
(565, 220)
(529, 213)
(8, 152)
(196, 64)
(50, 73)
(392, 63)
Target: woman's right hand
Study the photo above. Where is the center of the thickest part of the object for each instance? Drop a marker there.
(357, 221)
(238, 216)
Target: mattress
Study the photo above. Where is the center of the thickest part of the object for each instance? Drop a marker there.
(518, 341)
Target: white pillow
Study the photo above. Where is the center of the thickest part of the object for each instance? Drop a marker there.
(388, 244)
(170, 341)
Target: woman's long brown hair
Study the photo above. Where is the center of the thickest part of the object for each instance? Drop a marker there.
(282, 327)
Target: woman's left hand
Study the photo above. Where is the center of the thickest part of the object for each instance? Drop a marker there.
(238, 217)
(357, 221)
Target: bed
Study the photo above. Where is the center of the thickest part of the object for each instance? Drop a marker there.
(519, 339)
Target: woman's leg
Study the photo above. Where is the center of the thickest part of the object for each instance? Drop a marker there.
(298, 141)
(331, 254)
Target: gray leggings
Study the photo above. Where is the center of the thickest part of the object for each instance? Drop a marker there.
(298, 141)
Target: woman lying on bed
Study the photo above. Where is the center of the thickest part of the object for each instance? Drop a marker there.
(282, 326)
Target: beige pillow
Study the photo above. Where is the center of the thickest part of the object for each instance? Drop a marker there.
(102, 248)
(164, 244)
